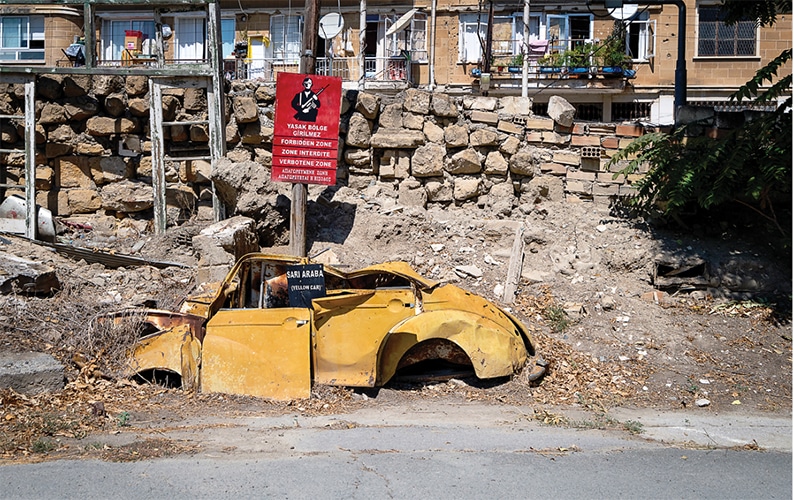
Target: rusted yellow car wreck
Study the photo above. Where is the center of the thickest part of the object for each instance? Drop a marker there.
(277, 324)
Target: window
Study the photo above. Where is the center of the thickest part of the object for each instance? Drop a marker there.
(641, 38)
(285, 37)
(566, 31)
(21, 38)
(412, 39)
(113, 33)
(190, 33)
(227, 38)
(518, 31)
(472, 35)
(417, 37)
(715, 38)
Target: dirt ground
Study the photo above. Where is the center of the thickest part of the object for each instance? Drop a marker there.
(595, 291)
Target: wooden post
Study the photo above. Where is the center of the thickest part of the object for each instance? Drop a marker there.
(216, 102)
(514, 268)
(297, 228)
(31, 214)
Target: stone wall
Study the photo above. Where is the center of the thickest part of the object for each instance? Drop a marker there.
(93, 147)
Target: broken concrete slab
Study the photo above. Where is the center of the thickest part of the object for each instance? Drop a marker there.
(26, 275)
(30, 372)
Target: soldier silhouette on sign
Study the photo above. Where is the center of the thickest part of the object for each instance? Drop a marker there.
(306, 102)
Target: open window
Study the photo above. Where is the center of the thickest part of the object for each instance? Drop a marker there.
(641, 38)
(566, 31)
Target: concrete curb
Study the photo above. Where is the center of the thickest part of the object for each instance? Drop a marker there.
(717, 430)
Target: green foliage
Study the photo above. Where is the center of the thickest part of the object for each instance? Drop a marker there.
(612, 51)
(43, 445)
(552, 59)
(579, 56)
(123, 419)
(751, 166)
(556, 318)
(766, 74)
(765, 11)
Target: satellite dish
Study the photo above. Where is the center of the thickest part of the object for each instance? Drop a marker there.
(624, 12)
(331, 25)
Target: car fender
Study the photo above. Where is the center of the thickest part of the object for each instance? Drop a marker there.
(175, 349)
(493, 351)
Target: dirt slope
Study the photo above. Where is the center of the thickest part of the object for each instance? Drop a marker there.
(586, 291)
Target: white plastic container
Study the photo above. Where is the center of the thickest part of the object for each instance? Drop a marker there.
(12, 218)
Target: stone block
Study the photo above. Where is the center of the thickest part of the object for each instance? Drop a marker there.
(578, 187)
(534, 137)
(509, 127)
(605, 189)
(30, 372)
(567, 158)
(540, 124)
(553, 168)
(552, 137)
(629, 130)
(610, 142)
(485, 117)
(580, 176)
(607, 178)
(585, 140)
(591, 164)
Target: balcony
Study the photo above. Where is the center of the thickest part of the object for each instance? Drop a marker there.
(376, 69)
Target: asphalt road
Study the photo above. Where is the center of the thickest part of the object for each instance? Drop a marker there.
(448, 452)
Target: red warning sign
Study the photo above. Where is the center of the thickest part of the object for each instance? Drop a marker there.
(306, 135)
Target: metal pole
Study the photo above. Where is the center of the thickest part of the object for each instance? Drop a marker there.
(679, 98)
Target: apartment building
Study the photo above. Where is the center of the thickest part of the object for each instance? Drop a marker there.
(456, 46)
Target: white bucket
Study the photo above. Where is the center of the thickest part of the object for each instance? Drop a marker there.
(12, 218)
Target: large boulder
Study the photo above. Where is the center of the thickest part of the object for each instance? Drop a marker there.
(561, 111)
(220, 245)
(246, 188)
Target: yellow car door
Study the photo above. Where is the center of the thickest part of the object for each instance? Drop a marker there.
(257, 344)
(349, 330)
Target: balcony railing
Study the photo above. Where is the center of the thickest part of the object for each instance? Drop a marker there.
(386, 69)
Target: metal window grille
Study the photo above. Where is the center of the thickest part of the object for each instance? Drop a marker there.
(627, 111)
(584, 112)
(715, 38)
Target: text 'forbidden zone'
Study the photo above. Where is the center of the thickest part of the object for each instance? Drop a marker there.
(306, 135)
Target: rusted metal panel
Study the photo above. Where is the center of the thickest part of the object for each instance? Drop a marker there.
(370, 324)
(174, 349)
(349, 330)
(493, 351)
(401, 269)
(259, 352)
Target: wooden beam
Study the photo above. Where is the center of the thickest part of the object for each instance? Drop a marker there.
(297, 228)
(31, 219)
(158, 154)
(216, 103)
(514, 268)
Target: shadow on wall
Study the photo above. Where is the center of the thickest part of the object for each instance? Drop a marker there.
(332, 221)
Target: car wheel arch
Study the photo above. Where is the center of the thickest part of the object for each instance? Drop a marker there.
(493, 351)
